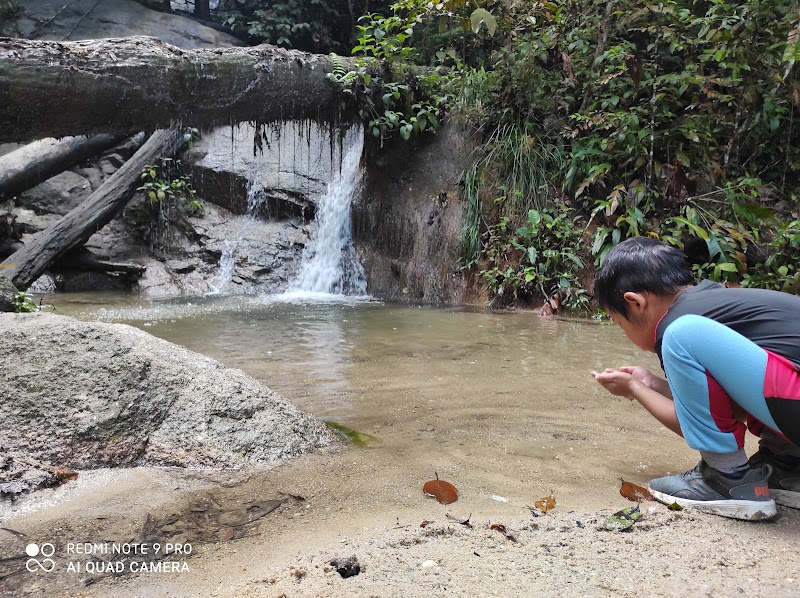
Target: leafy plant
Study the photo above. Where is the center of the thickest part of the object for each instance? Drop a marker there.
(303, 24)
(395, 99)
(23, 302)
(780, 270)
(541, 259)
(168, 197)
(672, 119)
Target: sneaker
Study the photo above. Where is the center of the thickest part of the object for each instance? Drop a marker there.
(783, 476)
(707, 490)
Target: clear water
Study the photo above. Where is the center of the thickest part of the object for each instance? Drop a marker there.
(500, 404)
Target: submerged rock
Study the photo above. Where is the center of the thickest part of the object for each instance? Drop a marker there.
(88, 395)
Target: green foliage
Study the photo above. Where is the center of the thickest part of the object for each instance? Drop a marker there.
(672, 119)
(780, 270)
(538, 260)
(23, 303)
(396, 99)
(304, 24)
(168, 197)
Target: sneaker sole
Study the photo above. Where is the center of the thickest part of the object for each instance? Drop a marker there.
(747, 510)
(786, 498)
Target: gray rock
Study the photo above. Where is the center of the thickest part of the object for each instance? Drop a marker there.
(407, 222)
(7, 294)
(99, 19)
(57, 195)
(90, 395)
(290, 167)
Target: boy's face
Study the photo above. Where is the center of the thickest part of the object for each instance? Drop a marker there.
(636, 329)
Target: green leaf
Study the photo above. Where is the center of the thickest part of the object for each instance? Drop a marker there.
(599, 239)
(623, 520)
(727, 267)
(533, 255)
(482, 16)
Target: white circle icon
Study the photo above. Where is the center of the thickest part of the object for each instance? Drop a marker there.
(32, 549)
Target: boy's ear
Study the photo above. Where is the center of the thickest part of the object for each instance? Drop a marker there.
(637, 302)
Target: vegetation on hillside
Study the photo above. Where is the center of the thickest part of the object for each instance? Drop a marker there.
(600, 120)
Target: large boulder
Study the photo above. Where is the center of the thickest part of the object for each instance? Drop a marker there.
(88, 395)
(97, 19)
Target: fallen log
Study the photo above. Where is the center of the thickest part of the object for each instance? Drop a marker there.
(26, 265)
(36, 162)
(84, 260)
(125, 85)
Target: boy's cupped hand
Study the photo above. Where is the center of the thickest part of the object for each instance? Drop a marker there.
(616, 381)
(621, 381)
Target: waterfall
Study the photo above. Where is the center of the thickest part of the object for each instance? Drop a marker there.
(227, 261)
(329, 262)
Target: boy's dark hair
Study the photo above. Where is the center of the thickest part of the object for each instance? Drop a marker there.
(640, 264)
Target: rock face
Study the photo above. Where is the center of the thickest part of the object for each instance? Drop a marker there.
(289, 167)
(7, 294)
(88, 395)
(93, 19)
(407, 221)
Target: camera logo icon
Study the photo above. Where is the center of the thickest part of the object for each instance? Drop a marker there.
(45, 550)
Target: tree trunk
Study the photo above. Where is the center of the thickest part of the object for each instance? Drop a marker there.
(30, 262)
(38, 161)
(125, 85)
(202, 10)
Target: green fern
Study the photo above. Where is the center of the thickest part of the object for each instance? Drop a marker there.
(340, 73)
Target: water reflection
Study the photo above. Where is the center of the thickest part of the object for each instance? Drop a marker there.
(502, 402)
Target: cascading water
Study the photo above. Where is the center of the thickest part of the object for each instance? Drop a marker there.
(227, 261)
(329, 263)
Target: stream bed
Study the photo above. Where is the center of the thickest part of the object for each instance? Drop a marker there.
(500, 404)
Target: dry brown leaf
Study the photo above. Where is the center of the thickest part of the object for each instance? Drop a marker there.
(634, 492)
(546, 503)
(503, 530)
(442, 491)
(425, 523)
(64, 474)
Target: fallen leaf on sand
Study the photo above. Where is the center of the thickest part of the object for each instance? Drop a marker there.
(675, 507)
(623, 520)
(545, 504)
(425, 523)
(442, 491)
(634, 492)
(503, 530)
